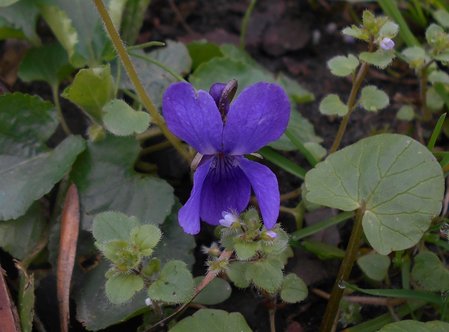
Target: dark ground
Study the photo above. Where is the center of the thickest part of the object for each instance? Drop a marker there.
(298, 39)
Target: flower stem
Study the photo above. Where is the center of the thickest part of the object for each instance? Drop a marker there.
(245, 23)
(344, 272)
(426, 114)
(357, 83)
(134, 78)
(55, 93)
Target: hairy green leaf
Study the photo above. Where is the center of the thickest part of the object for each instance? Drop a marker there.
(343, 65)
(122, 120)
(373, 99)
(375, 266)
(121, 288)
(293, 289)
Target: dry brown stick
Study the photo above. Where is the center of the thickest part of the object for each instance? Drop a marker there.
(369, 300)
(9, 319)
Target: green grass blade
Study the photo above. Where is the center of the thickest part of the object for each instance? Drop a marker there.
(390, 8)
(436, 132)
(401, 294)
(307, 231)
(284, 163)
(302, 149)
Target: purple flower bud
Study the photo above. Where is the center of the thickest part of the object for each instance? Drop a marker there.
(386, 44)
(272, 234)
(228, 219)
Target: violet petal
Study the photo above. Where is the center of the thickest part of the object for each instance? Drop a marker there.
(189, 214)
(193, 117)
(259, 115)
(265, 186)
(226, 188)
(216, 90)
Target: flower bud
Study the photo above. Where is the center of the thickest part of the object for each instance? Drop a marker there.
(386, 44)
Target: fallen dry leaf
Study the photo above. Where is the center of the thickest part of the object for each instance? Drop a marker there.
(8, 313)
(67, 249)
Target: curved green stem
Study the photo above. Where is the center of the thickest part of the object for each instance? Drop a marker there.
(357, 83)
(55, 93)
(134, 78)
(344, 272)
(245, 23)
(159, 64)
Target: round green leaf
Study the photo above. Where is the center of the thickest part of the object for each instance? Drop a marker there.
(236, 271)
(389, 30)
(438, 76)
(372, 99)
(27, 122)
(110, 225)
(430, 273)
(415, 56)
(332, 105)
(22, 181)
(293, 289)
(442, 17)
(174, 285)
(145, 237)
(396, 178)
(91, 89)
(215, 292)
(379, 58)
(94, 309)
(433, 99)
(342, 65)
(406, 113)
(375, 266)
(265, 274)
(122, 120)
(107, 181)
(415, 326)
(212, 320)
(202, 51)
(245, 250)
(121, 288)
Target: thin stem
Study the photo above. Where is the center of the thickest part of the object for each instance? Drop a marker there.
(272, 314)
(290, 195)
(210, 276)
(145, 45)
(159, 64)
(426, 113)
(154, 148)
(55, 93)
(344, 272)
(245, 22)
(134, 78)
(357, 83)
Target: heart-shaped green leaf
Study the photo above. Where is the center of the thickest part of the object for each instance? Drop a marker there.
(20, 236)
(22, 181)
(212, 320)
(110, 225)
(373, 99)
(293, 289)
(48, 63)
(375, 266)
(397, 181)
(430, 273)
(91, 89)
(122, 120)
(380, 58)
(107, 181)
(332, 105)
(215, 292)
(121, 288)
(342, 65)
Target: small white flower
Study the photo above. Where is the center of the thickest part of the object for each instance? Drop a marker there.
(386, 44)
(272, 234)
(148, 301)
(228, 219)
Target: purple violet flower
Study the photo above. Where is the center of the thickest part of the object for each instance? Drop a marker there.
(223, 133)
(386, 44)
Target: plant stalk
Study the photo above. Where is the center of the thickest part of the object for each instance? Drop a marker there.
(55, 93)
(357, 83)
(134, 78)
(426, 113)
(344, 272)
(245, 23)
